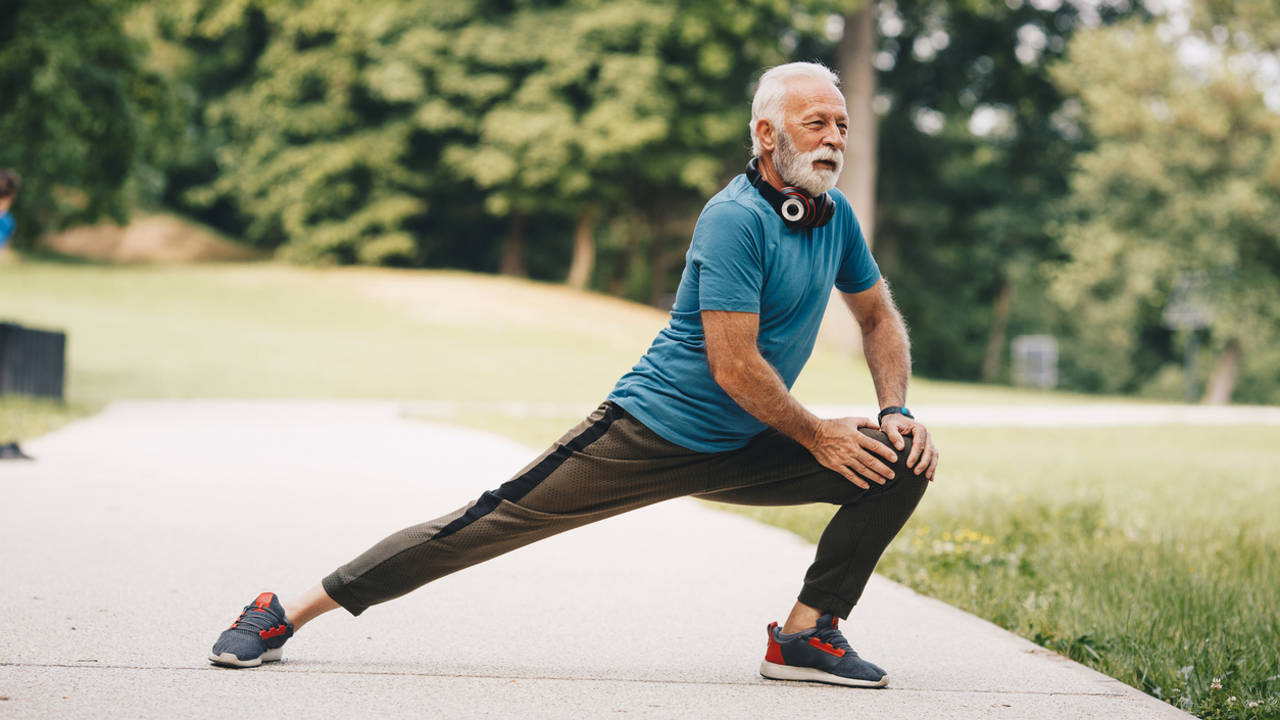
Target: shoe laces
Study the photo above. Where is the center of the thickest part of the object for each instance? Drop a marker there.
(256, 618)
(833, 637)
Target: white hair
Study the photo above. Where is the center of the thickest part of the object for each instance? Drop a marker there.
(771, 94)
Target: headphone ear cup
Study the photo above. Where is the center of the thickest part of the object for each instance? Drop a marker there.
(826, 207)
(797, 207)
(794, 210)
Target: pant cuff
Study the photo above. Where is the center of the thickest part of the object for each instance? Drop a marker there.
(825, 601)
(337, 590)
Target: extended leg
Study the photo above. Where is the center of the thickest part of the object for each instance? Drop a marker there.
(607, 465)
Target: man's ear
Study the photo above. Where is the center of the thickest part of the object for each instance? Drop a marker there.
(765, 131)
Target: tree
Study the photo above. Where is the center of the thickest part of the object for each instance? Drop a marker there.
(371, 134)
(307, 117)
(1183, 182)
(974, 141)
(1257, 22)
(854, 60)
(77, 110)
(632, 108)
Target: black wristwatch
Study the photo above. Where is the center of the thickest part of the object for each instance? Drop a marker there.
(894, 411)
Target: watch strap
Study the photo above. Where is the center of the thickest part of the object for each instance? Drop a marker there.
(894, 410)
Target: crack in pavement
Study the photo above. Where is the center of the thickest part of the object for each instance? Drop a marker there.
(480, 676)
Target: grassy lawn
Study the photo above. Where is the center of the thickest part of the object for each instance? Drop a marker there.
(23, 417)
(1148, 553)
(273, 331)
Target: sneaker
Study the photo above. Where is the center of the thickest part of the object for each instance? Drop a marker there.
(257, 636)
(819, 654)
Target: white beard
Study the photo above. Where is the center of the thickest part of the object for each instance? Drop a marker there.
(797, 170)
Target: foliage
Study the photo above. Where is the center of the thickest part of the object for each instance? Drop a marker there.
(1256, 23)
(1183, 181)
(965, 207)
(974, 144)
(77, 110)
(299, 122)
(375, 133)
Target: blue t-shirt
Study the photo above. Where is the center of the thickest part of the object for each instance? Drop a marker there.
(6, 227)
(743, 258)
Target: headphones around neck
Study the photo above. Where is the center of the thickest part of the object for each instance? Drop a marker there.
(799, 209)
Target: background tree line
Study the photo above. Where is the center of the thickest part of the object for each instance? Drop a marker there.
(1024, 166)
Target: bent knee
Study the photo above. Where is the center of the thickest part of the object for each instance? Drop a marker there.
(900, 468)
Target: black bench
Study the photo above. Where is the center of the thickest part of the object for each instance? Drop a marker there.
(32, 362)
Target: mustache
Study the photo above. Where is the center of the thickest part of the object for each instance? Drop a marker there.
(824, 154)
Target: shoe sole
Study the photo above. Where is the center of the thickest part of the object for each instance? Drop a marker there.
(227, 659)
(774, 671)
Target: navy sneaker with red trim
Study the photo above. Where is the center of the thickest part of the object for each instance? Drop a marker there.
(257, 636)
(819, 654)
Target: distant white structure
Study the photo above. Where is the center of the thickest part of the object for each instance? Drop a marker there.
(1035, 361)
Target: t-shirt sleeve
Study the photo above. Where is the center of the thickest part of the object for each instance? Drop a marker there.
(859, 270)
(726, 252)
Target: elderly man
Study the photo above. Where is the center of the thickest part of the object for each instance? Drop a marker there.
(707, 410)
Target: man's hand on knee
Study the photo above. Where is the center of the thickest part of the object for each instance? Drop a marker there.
(839, 445)
(922, 459)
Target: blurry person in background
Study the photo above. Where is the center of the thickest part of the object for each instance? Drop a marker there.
(9, 182)
(707, 411)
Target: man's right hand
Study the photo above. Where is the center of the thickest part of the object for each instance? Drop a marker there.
(838, 445)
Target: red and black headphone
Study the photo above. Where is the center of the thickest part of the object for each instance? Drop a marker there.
(799, 209)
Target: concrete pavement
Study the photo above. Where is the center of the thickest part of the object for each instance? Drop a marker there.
(137, 535)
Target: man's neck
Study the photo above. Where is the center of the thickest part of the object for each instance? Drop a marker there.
(769, 171)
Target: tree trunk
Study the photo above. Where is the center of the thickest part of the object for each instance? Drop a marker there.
(1222, 381)
(858, 75)
(512, 262)
(658, 269)
(622, 270)
(584, 250)
(858, 179)
(667, 248)
(999, 330)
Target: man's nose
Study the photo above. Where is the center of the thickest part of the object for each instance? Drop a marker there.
(834, 138)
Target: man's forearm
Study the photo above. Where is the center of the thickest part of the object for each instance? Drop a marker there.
(755, 385)
(888, 353)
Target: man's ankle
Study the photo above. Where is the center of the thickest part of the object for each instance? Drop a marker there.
(803, 617)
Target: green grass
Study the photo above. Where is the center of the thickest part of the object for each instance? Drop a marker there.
(1148, 553)
(267, 330)
(23, 418)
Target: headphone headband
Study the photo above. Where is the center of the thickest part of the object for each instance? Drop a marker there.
(799, 209)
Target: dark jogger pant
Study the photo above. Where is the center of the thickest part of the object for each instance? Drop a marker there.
(610, 464)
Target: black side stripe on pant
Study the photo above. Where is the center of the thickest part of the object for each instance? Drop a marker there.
(516, 488)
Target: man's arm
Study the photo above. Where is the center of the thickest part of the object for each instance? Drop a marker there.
(888, 352)
(738, 367)
(884, 342)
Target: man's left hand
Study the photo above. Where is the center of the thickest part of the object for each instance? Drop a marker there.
(923, 458)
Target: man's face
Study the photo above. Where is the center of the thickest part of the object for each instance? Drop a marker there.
(810, 146)
(5, 202)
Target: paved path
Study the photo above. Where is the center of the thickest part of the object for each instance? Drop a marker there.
(136, 535)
